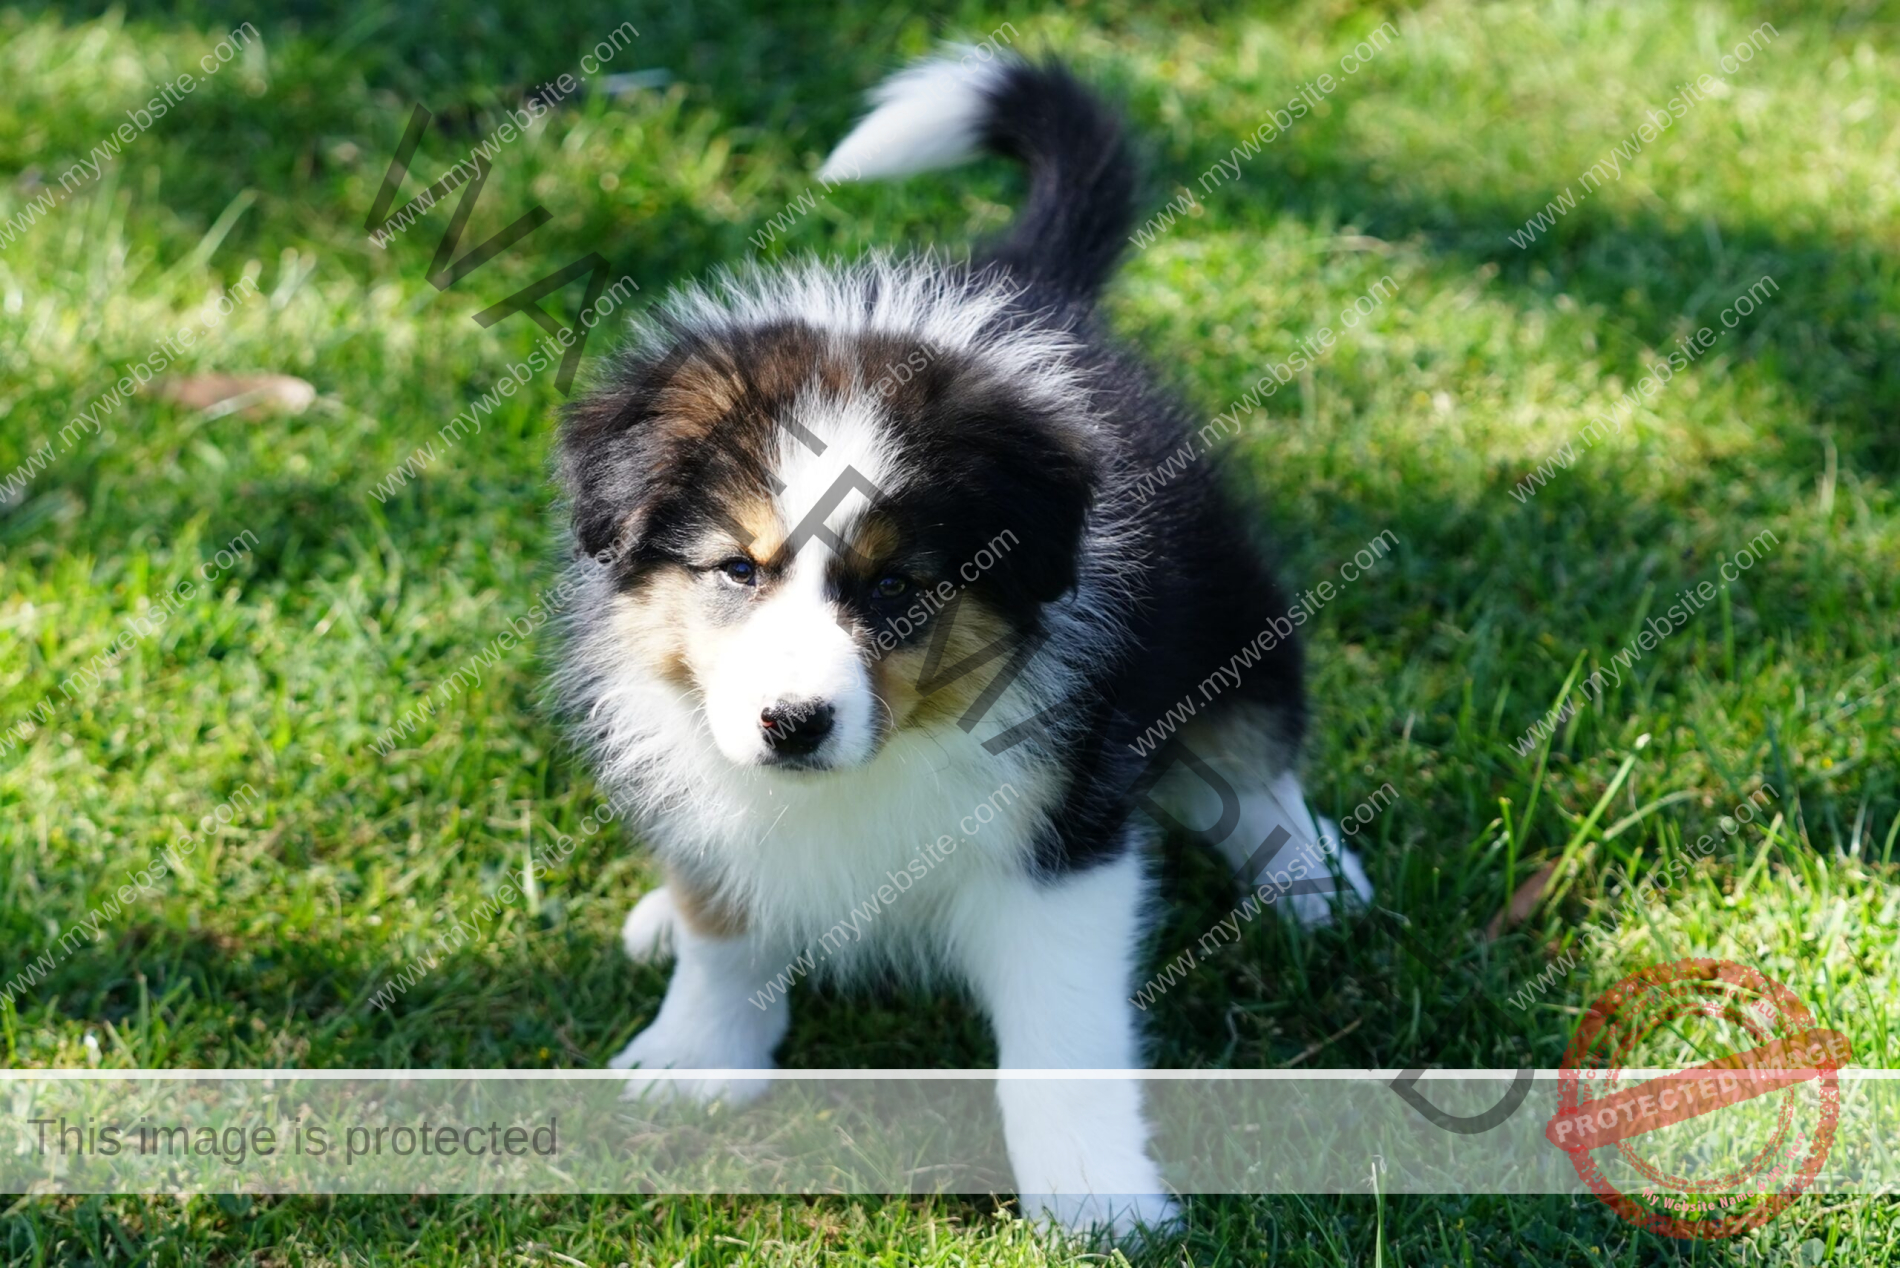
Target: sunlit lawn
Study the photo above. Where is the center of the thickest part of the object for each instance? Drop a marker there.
(279, 670)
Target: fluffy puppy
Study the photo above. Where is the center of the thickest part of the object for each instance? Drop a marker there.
(877, 612)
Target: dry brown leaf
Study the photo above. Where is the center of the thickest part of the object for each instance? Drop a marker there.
(1522, 903)
(253, 393)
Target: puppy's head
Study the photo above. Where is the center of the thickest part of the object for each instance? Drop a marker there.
(822, 537)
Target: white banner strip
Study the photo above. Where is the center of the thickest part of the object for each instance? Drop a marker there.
(913, 1131)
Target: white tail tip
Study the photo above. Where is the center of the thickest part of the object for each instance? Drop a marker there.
(926, 116)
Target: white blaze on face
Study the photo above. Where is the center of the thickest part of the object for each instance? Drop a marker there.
(793, 651)
(793, 648)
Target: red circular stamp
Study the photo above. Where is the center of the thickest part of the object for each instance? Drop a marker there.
(1706, 1148)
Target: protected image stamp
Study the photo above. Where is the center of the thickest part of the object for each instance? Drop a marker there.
(1694, 1156)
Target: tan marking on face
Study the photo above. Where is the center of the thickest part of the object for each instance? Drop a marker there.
(896, 675)
(700, 911)
(656, 623)
(765, 530)
(874, 540)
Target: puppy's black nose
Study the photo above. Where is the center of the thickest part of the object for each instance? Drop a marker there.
(795, 728)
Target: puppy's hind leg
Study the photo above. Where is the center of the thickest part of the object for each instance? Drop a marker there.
(1245, 800)
(1281, 843)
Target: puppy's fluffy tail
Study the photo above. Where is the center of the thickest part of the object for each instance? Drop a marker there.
(1081, 180)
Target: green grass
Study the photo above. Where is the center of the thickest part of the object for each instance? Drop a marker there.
(265, 947)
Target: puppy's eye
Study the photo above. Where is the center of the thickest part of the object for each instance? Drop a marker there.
(890, 587)
(741, 572)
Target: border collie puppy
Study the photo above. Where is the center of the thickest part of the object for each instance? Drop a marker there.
(875, 611)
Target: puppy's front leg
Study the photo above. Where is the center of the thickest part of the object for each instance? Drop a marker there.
(1052, 962)
(725, 1009)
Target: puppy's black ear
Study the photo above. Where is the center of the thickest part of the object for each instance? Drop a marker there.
(1043, 491)
(593, 428)
(613, 455)
(1013, 489)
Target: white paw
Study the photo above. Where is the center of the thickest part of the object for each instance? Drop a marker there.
(1118, 1214)
(708, 1022)
(1315, 910)
(657, 1048)
(647, 934)
(1079, 1149)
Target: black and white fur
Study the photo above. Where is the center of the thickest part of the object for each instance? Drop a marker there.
(728, 679)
